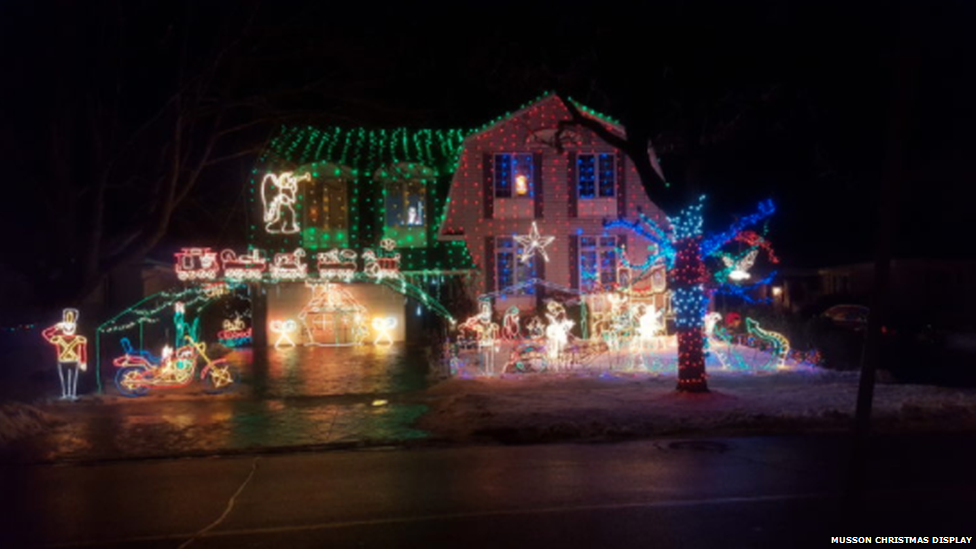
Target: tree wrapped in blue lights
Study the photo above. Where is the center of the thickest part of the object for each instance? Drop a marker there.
(685, 250)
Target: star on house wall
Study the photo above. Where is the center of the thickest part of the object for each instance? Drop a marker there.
(533, 242)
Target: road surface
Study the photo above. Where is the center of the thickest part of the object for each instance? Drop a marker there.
(733, 492)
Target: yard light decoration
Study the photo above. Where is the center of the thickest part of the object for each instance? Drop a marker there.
(196, 264)
(532, 243)
(384, 264)
(72, 350)
(138, 372)
(279, 195)
(333, 316)
(235, 333)
(290, 266)
(382, 325)
(284, 329)
(183, 329)
(337, 264)
(248, 266)
(557, 330)
(510, 324)
(684, 247)
(481, 327)
(776, 341)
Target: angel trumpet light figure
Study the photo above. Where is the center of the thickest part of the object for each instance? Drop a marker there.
(72, 352)
(279, 194)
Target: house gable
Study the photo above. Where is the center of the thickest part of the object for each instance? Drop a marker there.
(522, 170)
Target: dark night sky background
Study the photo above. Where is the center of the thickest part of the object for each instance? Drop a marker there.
(801, 88)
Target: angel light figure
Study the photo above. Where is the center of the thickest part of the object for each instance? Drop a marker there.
(279, 194)
(72, 352)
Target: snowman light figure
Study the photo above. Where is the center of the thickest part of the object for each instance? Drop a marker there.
(72, 352)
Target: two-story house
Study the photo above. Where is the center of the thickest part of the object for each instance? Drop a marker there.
(501, 206)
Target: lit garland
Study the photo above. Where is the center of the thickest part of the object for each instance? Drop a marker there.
(72, 350)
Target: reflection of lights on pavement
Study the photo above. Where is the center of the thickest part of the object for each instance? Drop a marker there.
(380, 402)
(382, 326)
(283, 328)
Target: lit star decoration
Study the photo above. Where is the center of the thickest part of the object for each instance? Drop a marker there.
(533, 242)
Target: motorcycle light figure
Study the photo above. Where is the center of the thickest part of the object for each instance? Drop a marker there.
(72, 352)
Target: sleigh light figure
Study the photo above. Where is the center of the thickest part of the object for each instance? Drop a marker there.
(138, 372)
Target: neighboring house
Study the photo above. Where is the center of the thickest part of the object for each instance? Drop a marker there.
(456, 203)
(940, 291)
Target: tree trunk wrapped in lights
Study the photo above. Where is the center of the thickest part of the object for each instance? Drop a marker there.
(684, 249)
(690, 302)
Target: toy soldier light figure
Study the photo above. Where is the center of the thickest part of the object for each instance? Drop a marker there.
(72, 352)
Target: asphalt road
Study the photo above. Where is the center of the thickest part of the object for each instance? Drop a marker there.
(739, 492)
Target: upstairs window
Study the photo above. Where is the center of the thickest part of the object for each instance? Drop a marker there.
(514, 177)
(327, 207)
(598, 262)
(405, 194)
(509, 270)
(596, 175)
(405, 204)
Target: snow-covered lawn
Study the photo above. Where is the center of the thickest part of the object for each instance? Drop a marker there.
(540, 407)
(19, 420)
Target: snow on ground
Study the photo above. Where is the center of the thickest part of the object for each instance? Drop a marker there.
(574, 405)
(19, 420)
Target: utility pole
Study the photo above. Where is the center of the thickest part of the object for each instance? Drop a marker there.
(893, 174)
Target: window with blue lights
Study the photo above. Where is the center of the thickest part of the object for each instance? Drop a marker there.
(509, 270)
(596, 175)
(598, 262)
(514, 177)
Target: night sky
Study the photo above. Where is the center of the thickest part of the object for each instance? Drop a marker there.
(744, 100)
